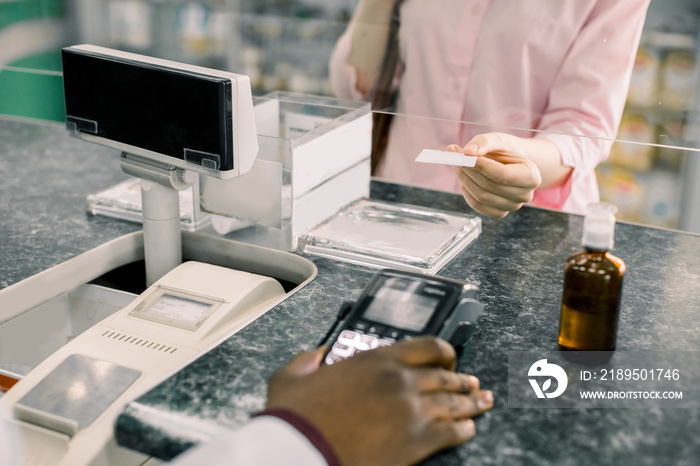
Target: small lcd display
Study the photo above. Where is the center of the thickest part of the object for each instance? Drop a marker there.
(177, 308)
(399, 303)
(184, 310)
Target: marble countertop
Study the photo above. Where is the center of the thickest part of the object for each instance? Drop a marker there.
(517, 262)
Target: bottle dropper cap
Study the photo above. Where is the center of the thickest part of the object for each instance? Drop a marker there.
(599, 227)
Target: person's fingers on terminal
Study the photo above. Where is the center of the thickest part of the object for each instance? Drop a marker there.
(424, 351)
(302, 364)
(305, 362)
(449, 405)
(445, 433)
(434, 379)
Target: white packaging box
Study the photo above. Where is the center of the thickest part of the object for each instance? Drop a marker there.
(314, 159)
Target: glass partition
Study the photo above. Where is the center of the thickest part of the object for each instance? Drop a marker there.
(286, 45)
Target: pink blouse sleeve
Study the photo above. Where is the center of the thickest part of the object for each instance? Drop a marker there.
(589, 92)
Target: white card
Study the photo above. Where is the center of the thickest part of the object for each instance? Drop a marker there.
(446, 158)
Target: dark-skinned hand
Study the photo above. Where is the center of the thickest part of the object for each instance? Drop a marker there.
(390, 406)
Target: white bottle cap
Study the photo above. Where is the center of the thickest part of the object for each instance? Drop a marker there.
(599, 227)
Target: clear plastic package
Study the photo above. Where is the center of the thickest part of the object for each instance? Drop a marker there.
(401, 236)
(314, 159)
(123, 201)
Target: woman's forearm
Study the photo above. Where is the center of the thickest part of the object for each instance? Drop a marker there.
(369, 30)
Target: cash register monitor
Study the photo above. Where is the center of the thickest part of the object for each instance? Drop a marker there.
(186, 116)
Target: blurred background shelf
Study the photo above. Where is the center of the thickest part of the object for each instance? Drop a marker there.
(653, 179)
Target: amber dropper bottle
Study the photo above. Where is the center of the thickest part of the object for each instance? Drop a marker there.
(590, 305)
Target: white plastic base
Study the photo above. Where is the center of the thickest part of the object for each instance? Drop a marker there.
(56, 287)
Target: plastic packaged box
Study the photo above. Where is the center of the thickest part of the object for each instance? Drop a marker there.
(123, 201)
(314, 159)
(380, 234)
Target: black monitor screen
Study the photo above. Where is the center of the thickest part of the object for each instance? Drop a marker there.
(163, 110)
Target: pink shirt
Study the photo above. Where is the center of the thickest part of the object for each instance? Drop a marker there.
(552, 68)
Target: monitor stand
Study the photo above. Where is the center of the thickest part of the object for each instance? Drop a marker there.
(160, 186)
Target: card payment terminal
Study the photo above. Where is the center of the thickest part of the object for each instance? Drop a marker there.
(400, 305)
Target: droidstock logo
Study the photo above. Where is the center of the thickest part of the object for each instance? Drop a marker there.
(542, 369)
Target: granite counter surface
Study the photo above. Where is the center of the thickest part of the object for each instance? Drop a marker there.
(517, 262)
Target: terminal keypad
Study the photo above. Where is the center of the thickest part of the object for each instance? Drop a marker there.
(363, 337)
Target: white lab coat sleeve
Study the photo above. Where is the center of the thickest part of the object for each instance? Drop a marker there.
(264, 440)
(10, 446)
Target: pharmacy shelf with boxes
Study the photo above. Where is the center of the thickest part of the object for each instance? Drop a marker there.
(650, 177)
(645, 180)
